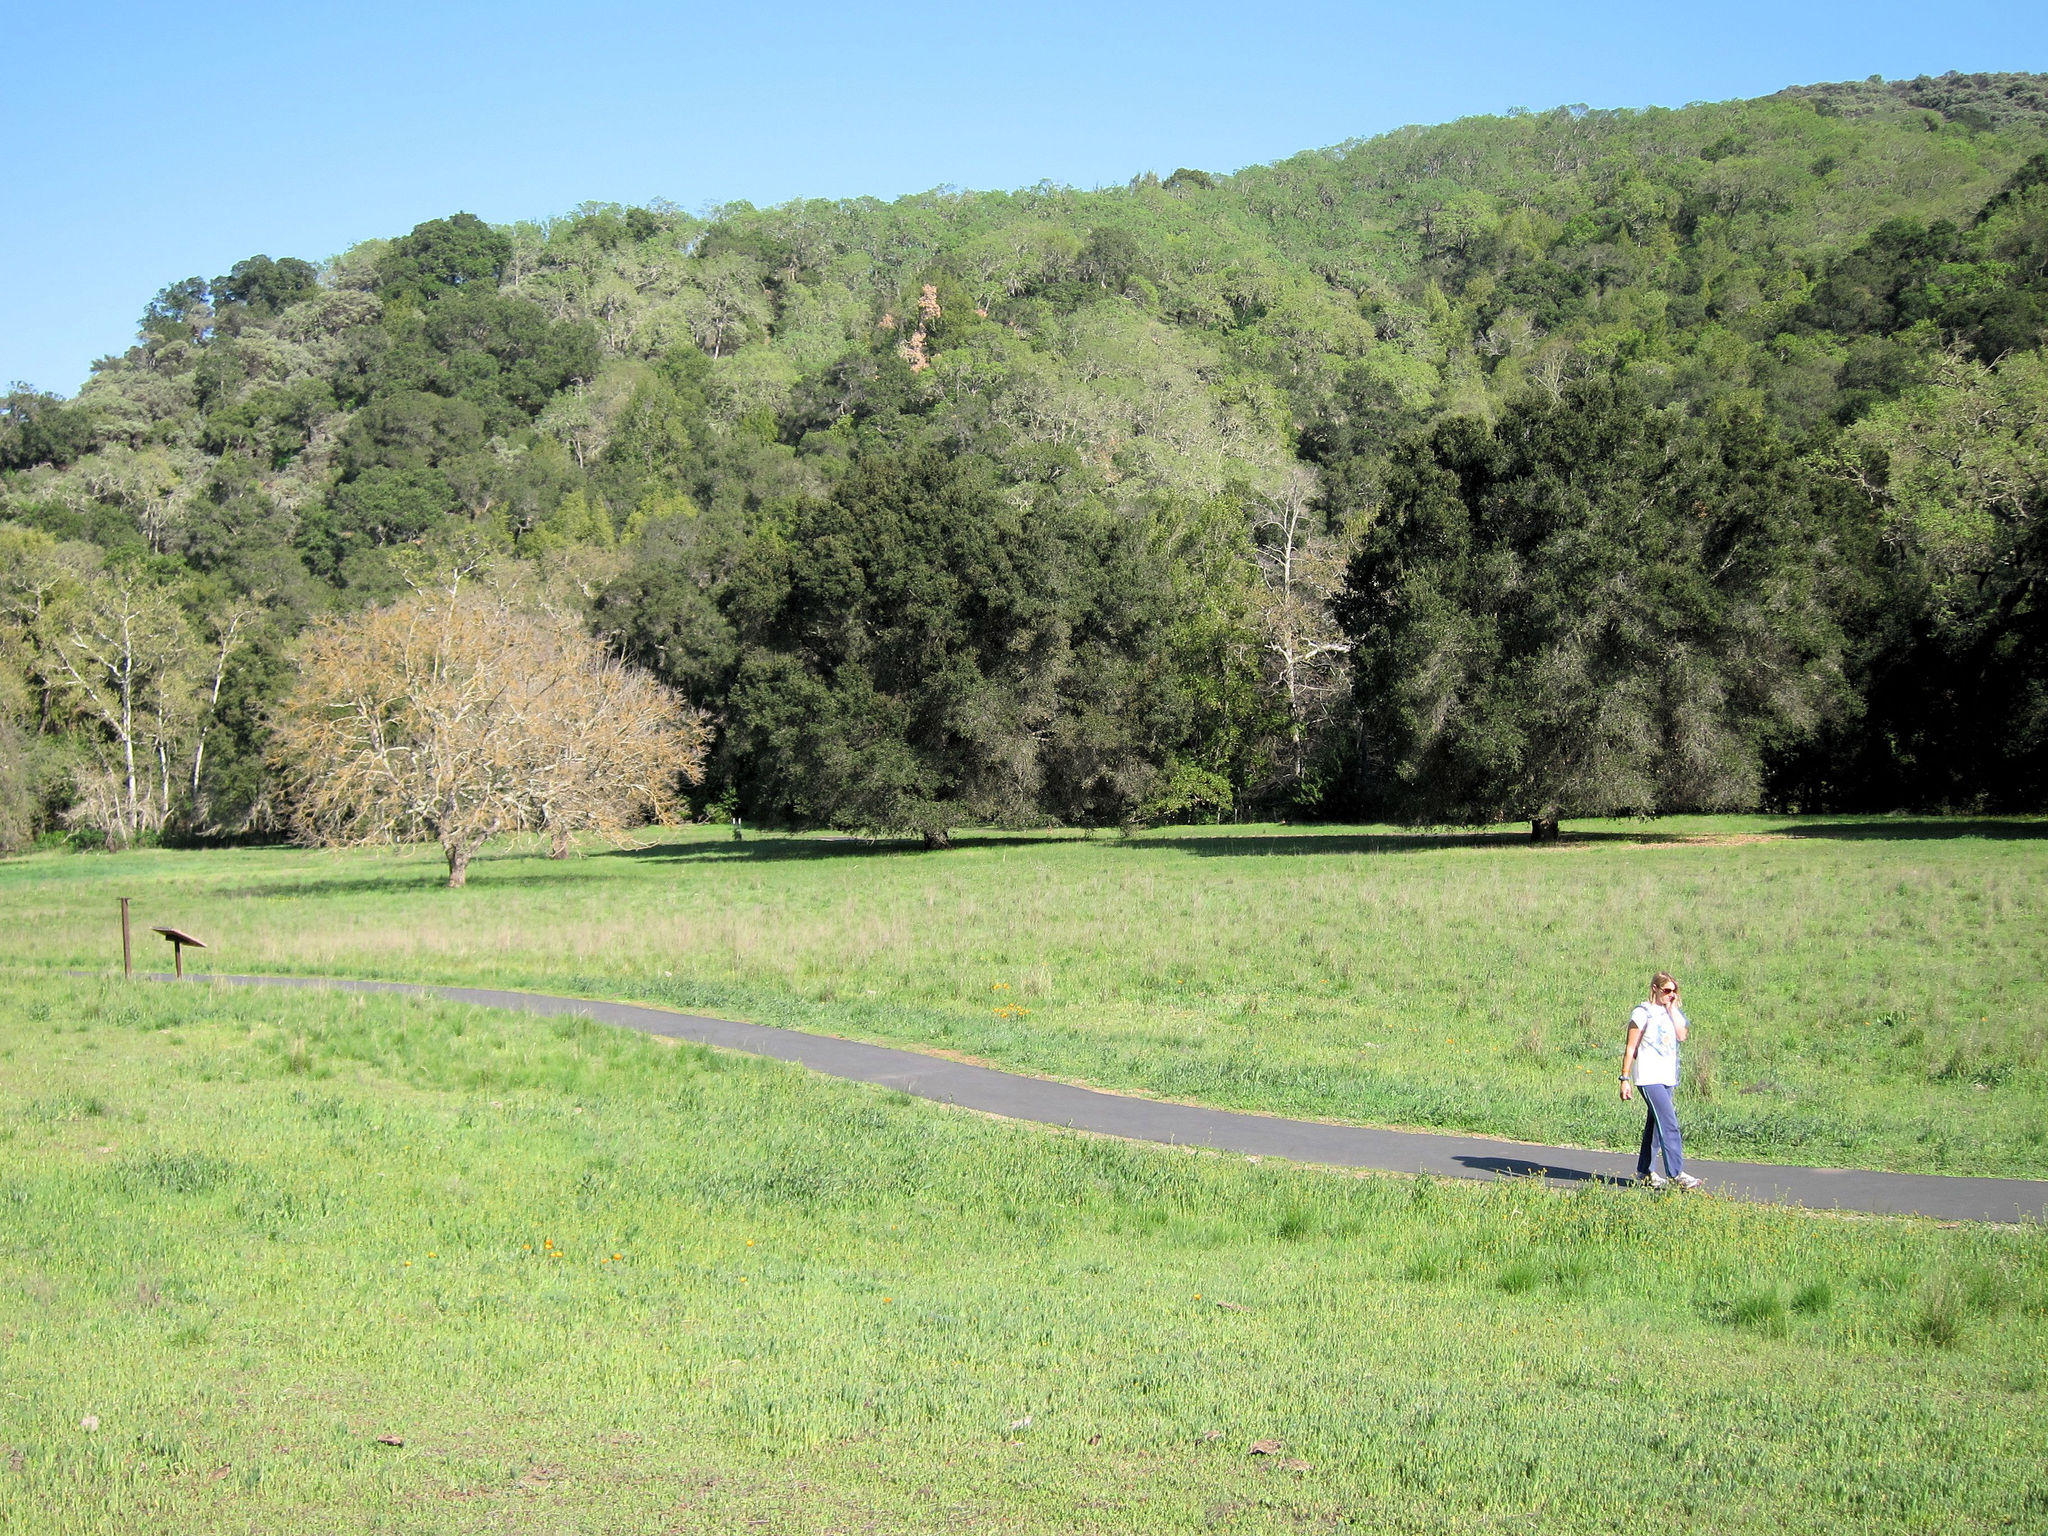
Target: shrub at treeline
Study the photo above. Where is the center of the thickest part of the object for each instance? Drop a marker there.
(1548, 464)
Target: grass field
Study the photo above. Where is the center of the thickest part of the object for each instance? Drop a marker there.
(598, 1283)
(1869, 993)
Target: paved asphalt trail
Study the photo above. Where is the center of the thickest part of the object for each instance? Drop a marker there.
(1307, 1141)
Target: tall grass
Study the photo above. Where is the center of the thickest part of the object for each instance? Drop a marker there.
(1865, 993)
(597, 1283)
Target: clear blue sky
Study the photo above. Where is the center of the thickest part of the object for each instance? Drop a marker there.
(149, 142)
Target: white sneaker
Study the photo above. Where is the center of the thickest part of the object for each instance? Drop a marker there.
(1687, 1181)
(1654, 1179)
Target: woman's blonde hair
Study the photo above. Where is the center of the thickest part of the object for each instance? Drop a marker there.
(1660, 981)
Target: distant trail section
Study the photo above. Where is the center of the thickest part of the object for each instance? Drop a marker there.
(1017, 1097)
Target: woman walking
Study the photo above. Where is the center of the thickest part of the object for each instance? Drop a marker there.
(1649, 1061)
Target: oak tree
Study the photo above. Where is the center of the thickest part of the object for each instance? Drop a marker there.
(1591, 608)
(457, 716)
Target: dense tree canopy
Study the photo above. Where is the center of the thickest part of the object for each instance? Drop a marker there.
(1032, 506)
(1593, 609)
(1957, 473)
(920, 653)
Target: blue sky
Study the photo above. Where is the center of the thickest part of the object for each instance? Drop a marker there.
(150, 143)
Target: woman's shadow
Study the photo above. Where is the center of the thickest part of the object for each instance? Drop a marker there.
(1522, 1168)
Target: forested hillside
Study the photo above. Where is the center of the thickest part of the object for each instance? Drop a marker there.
(1555, 463)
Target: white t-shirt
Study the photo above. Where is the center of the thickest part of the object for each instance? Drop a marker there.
(1657, 1051)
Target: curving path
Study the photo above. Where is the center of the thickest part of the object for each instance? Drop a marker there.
(1017, 1097)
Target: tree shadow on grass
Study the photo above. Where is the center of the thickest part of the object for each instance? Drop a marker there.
(779, 848)
(494, 870)
(1225, 845)
(490, 871)
(774, 848)
(486, 874)
(1211, 845)
(1923, 828)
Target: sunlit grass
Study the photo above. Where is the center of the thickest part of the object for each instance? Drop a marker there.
(1870, 993)
(594, 1282)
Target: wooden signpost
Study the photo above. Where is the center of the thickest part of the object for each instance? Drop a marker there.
(178, 940)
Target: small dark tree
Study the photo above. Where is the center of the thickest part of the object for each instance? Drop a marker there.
(37, 428)
(442, 254)
(1593, 608)
(1110, 258)
(265, 286)
(178, 312)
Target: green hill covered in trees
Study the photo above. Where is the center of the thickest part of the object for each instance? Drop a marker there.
(1531, 465)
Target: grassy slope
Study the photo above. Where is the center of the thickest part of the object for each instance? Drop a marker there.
(249, 1233)
(1477, 984)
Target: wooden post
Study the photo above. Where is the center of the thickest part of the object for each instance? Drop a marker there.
(178, 958)
(127, 954)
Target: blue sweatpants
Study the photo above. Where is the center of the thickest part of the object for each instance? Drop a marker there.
(1660, 1131)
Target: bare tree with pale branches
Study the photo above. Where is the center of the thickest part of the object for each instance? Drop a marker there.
(1302, 567)
(620, 747)
(456, 716)
(120, 649)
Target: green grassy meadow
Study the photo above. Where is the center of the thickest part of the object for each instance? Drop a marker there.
(596, 1282)
(1865, 992)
